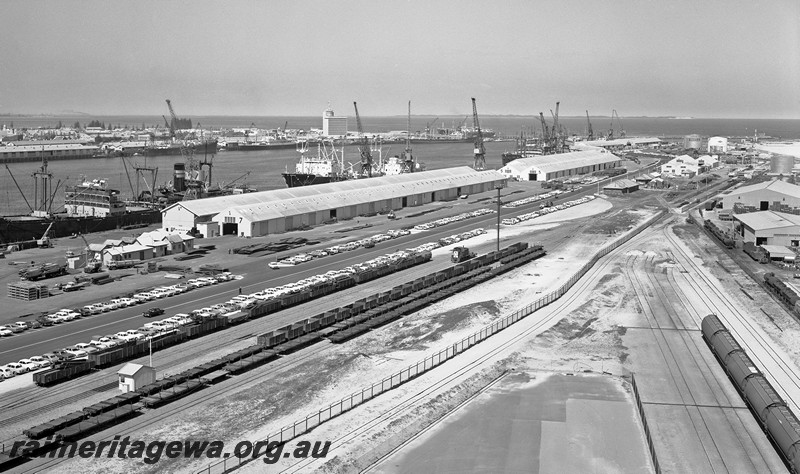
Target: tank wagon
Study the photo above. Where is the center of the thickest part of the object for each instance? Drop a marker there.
(772, 413)
(719, 234)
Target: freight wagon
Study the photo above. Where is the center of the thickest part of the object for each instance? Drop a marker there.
(755, 252)
(772, 413)
(719, 234)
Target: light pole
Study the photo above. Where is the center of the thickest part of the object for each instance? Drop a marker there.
(498, 187)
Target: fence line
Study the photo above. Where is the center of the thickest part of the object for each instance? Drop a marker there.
(640, 407)
(347, 403)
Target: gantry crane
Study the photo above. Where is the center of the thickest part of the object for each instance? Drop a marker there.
(480, 150)
(408, 158)
(366, 155)
(430, 128)
(590, 132)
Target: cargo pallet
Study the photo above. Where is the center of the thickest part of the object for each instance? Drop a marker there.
(27, 291)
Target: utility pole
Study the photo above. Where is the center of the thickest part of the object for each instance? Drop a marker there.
(498, 187)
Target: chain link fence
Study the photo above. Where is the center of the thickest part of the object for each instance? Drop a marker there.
(351, 401)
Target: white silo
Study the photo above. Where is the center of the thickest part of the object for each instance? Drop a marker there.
(718, 145)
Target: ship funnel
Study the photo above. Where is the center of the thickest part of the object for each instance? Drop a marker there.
(179, 181)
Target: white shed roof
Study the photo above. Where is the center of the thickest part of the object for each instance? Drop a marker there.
(777, 185)
(763, 220)
(304, 199)
(130, 369)
(563, 161)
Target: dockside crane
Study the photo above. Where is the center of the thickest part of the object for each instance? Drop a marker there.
(619, 122)
(430, 127)
(545, 131)
(174, 123)
(366, 155)
(589, 131)
(408, 158)
(480, 150)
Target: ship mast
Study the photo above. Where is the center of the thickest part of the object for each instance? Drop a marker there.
(42, 207)
(408, 158)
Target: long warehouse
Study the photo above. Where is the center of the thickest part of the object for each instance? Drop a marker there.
(281, 210)
(547, 167)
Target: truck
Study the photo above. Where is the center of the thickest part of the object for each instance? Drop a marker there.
(46, 270)
(461, 254)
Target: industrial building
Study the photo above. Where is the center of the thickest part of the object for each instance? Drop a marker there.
(547, 167)
(688, 166)
(770, 195)
(333, 126)
(623, 143)
(281, 210)
(718, 145)
(621, 186)
(769, 228)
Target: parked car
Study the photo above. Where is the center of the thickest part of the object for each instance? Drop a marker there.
(17, 368)
(30, 365)
(33, 324)
(14, 329)
(5, 332)
(6, 372)
(153, 312)
(42, 361)
(21, 324)
(52, 357)
(86, 347)
(77, 352)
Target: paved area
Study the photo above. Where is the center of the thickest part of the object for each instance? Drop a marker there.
(535, 423)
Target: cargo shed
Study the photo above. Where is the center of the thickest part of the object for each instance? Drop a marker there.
(134, 376)
(770, 195)
(547, 167)
(281, 210)
(621, 186)
(769, 228)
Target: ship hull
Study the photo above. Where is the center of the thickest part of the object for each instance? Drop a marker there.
(206, 148)
(24, 228)
(260, 146)
(294, 180)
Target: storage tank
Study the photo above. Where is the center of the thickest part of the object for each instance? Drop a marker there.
(179, 178)
(781, 164)
(692, 141)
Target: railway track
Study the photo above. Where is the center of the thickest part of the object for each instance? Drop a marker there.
(549, 316)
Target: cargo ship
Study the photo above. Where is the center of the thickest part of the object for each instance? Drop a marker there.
(326, 167)
(90, 206)
(164, 149)
(257, 146)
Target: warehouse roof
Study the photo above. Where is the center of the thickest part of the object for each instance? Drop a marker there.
(622, 184)
(563, 161)
(777, 185)
(303, 199)
(633, 141)
(763, 220)
(778, 251)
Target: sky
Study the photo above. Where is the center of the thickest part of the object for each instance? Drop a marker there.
(708, 58)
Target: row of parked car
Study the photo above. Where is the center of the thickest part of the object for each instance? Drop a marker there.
(83, 349)
(528, 200)
(448, 220)
(367, 242)
(545, 211)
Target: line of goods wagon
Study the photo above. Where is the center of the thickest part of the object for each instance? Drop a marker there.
(786, 294)
(720, 234)
(201, 327)
(771, 411)
(402, 299)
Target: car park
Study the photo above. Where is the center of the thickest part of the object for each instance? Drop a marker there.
(13, 328)
(92, 308)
